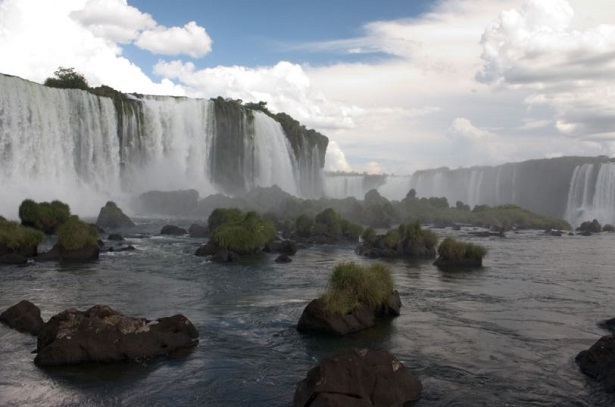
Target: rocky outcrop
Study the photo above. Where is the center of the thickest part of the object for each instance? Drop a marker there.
(315, 317)
(283, 258)
(102, 334)
(287, 247)
(58, 253)
(24, 317)
(358, 377)
(442, 262)
(199, 231)
(112, 217)
(116, 237)
(173, 230)
(14, 259)
(598, 362)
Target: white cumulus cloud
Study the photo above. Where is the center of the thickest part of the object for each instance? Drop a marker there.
(191, 39)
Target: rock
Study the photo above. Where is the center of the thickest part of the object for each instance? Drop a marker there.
(24, 317)
(609, 325)
(128, 248)
(173, 230)
(316, 319)
(283, 258)
(598, 362)
(224, 256)
(208, 249)
(102, 334)
(112, 217)
(457, 263)
(358, 377)
(116, 237)
(281, 246)
(13, 259)
(57, 253)
(197, 230)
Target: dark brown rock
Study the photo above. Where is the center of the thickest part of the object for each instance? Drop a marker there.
(116, 237)
(173, 230)
(102, 334)
(358, 377)
(13, 259)
(24, 317)
(459, 263)
(598, 362)
(208, 249)
(283, 258)
(112, 217)
(196, 230)
(286, 246)
(315, 318)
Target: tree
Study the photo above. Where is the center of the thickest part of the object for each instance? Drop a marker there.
(67, 78)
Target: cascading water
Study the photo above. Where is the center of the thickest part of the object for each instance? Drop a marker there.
(85, 149)
(592, 194)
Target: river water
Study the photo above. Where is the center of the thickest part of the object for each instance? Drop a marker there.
(504, 335)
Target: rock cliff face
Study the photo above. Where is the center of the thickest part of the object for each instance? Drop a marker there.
(105, 143)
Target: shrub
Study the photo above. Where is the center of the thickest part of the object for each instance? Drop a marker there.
(67, 78)
(351, 230)
(352, 285)
(244, 236)
(75, 234)
(451, 249)
(303, 225)
(14, 236)
(594, 226)
(223, 215)
(368, 235)
(328, 222)
(44, 216)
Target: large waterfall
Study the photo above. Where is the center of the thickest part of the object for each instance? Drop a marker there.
(592, 194)
(85, 149)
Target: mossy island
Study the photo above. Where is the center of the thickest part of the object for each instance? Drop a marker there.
(355, 298)
(408, 241)
(327, 227)
(18, 242)
(453, 253)
(44, 216)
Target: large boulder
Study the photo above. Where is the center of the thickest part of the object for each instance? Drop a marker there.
(102, 334)
(112, 217)
(598, 362)
(315, 317)
(24, 317)
(13, 259)
(286, 246)
(358, 377)
(173, 230)
(198, 231)
(59, 253)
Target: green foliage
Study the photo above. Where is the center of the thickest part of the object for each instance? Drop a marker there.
(351, 286)
(451, 249)
(75, 234)
(67, 78)
(14, 236)
(303, 225)
(223, 215)
(45, 216)
(608, 228)
(350, 230)
(243, 236)
(368, 235)
(594, 226)
(328, 222)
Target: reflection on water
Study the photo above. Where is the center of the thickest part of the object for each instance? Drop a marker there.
(503, 335)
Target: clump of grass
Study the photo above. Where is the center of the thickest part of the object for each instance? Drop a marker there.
(246, 235)
(454, 250)
(352, 285)
(14, 236)
(75, 234)
(44, 216)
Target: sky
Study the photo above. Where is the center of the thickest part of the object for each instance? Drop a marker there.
(396, 85)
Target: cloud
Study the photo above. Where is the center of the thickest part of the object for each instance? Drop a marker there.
(114, 20)
(190, 39)
(335, 159)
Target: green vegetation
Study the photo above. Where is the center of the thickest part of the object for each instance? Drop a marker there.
(593, 227)
(608, 228)
(220, 216)
(454, 250)
(351, 286)
(67, 78)
(44, 216)
(244, 236)
(368, 235)
(15, 236)
(328, 224)
(75, 234)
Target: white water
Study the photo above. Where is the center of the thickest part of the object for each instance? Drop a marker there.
(344, 186)
(65, 144)
(273, 156)
(592, 194)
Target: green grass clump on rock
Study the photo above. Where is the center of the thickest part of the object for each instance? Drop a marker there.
(246, 235)
(44, 216)
(75, 234)
(454, 250)
(352, 285)
(13, 235)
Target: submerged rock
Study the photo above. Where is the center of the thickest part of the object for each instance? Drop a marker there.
(358, 377)
(598, 362)
(283, 258)
(315, 317)
(286, 246)
(116, 237)
(24, 317)
(13, 259)
(102, 334)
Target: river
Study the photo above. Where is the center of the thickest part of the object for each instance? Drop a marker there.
(504, 335)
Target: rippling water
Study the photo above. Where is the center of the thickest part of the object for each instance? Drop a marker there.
(503, 335)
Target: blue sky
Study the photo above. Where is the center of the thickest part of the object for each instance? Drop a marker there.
(397, 86)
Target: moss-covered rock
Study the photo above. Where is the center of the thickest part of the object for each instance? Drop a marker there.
(112, 217)
(18, 239)
(77, 242)
(592, 227)
(453, 253)
(406, 241)
(44, 216)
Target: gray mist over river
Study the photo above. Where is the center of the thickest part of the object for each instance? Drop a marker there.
(506, 334)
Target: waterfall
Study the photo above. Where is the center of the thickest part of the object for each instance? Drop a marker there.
(344, 186)
(86, 149)
(592, 194)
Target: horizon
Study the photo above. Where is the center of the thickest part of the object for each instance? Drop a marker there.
(396, 87)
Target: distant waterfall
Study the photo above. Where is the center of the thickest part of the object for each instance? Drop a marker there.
(84, 149)
(592, 194)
